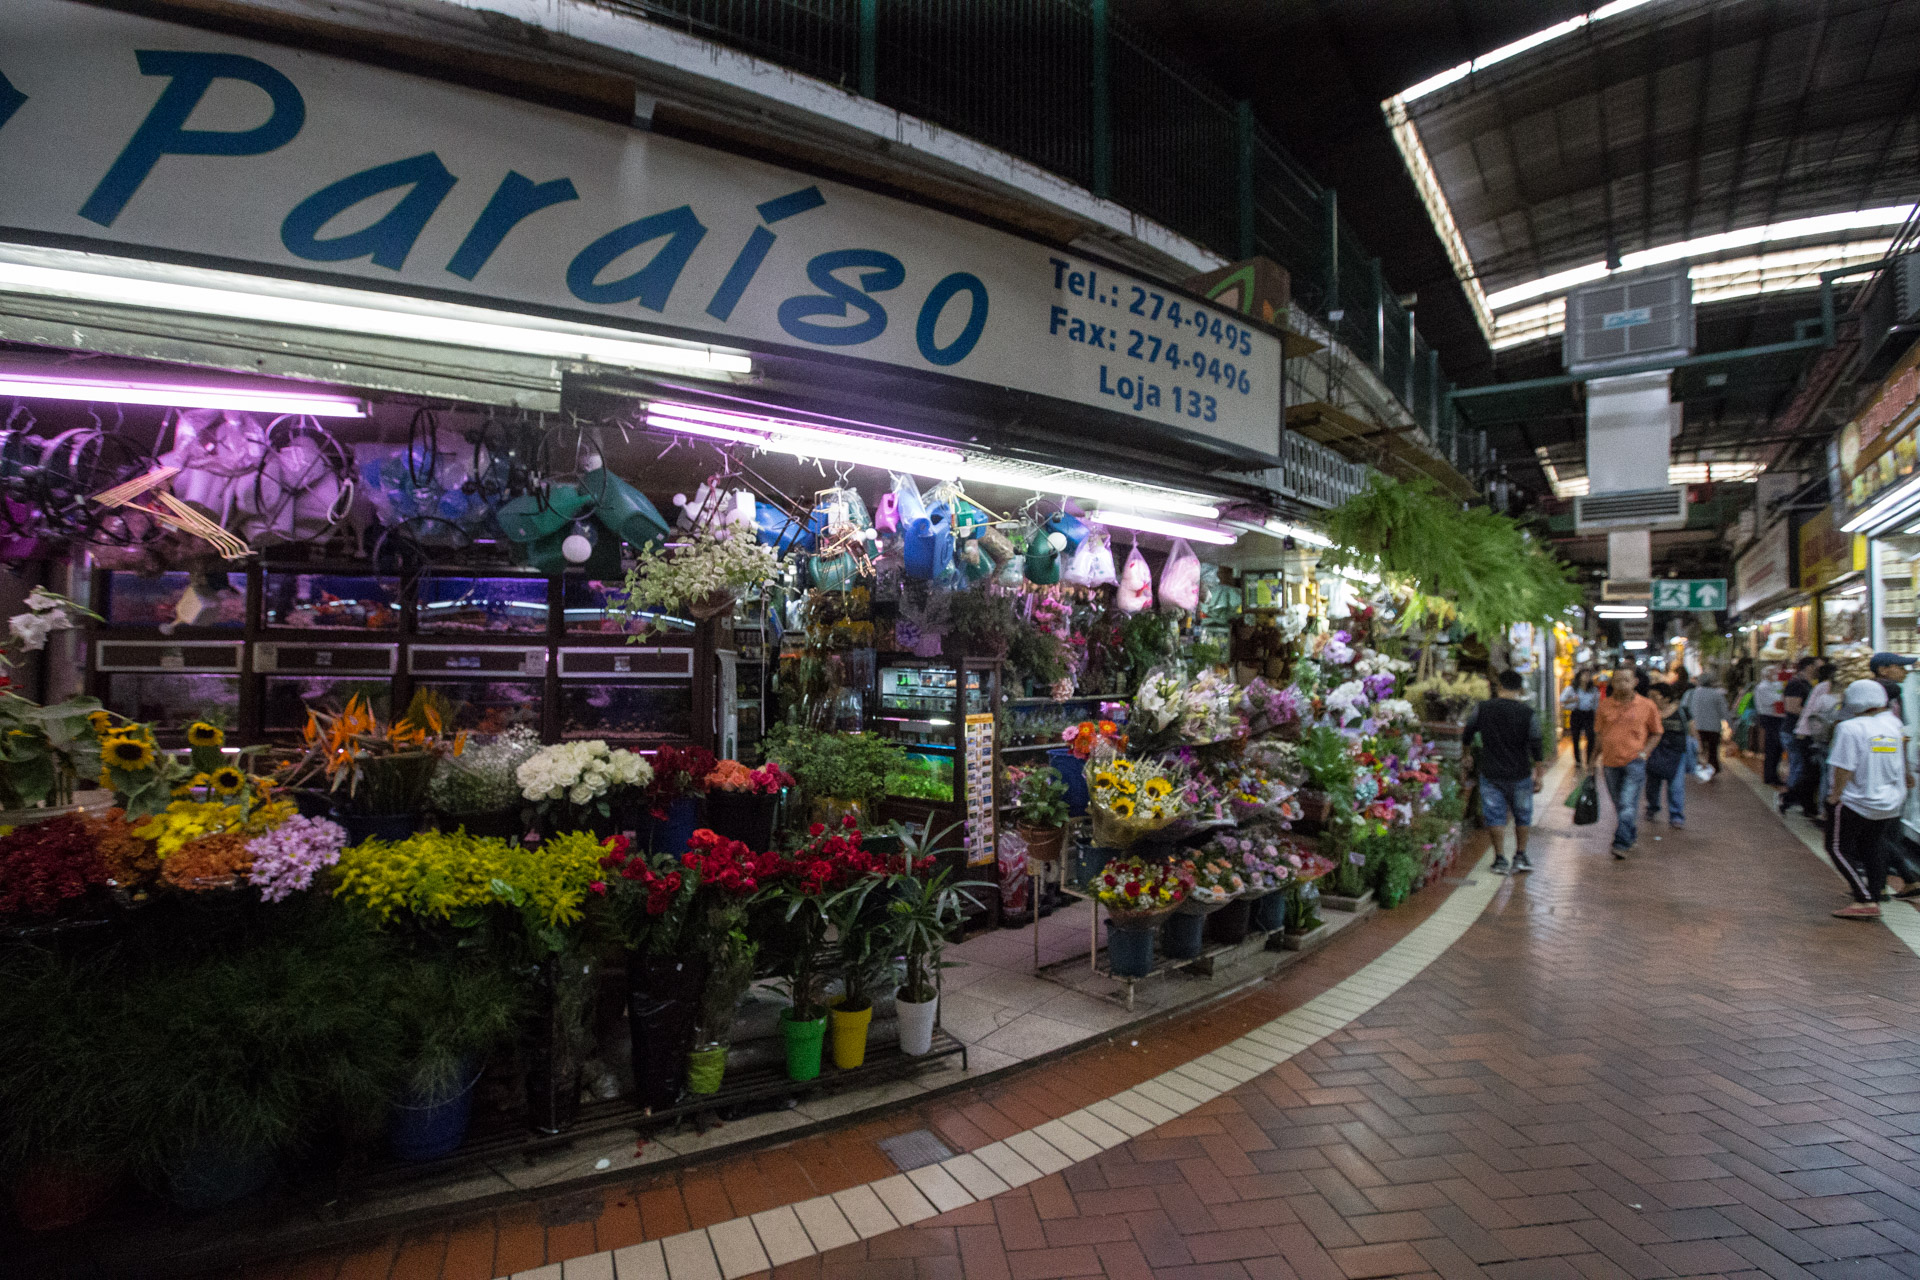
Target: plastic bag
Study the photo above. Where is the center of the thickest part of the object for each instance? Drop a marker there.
(1136, 584)
(1180, 578)
(1586, 803)
(906, 502)
(1703, 773)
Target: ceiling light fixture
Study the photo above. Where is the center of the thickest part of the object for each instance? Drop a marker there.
(1298, 533)
(1166, 528)
(1435, 83)
(1902, 502)
(318, 404)
(229, 295)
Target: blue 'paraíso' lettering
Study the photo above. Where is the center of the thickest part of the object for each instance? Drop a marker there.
(387, 241)
(164, 131)
(11, 100)
(961, 347)
(884, 271)
(758, 245)
(517, 198)
(652, 284)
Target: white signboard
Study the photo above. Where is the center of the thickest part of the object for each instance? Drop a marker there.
(125, 131)
(1763, 571)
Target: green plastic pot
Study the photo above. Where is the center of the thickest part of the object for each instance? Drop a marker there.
(706, 1068)
(804, 1042)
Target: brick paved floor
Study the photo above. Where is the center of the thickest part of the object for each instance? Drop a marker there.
(1678, 1065)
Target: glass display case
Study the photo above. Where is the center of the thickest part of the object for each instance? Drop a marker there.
(491, 688)
(1843, 617)
(584, 605)
(628, 696)
(943, 714)
(170, 685)
(298, 675)
(1035, 725)
(484, 606)
(328, 601)
(1894, 564)
(135, 600)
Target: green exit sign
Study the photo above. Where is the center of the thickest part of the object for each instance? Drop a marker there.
(1685, 594)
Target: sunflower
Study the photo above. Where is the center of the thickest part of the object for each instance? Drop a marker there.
(228, 781)
(1122, 807)
(202, 734)
(1105, 780)
(1128, 786)
(128, 753)
(1157, 788)
(1123, 767)
(101, 721)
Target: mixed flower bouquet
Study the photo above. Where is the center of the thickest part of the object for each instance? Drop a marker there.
(1087, 736)
(1137, 892)
(1264, 863)
(573, 778)
(1216, 880)
(768, 780)
(1270, 708)
(1132, 798)
(1170, 708)
(678, 773)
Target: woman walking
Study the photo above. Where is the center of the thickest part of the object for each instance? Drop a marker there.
(1580, 700)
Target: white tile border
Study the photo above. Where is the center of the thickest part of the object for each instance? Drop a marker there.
(731, 1249)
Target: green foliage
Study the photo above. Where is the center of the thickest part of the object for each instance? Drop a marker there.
(1327, 757)
(985, 621)
(925, 906)
(1148, 639)
(730, 961)
(1042, 798)
(1207, 650)
(1303, 914)
(845, 766)
(1472, 563)
(44, 750)
(865, 935)
(1036, 655)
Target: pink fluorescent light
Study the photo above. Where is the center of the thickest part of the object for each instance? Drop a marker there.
(806, 441)
(181, 395)
(1166, 528)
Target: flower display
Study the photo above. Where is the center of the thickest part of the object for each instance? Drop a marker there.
(1262, 862)
(580, 773)
(1134, 888)
(769, 779)
(209, 863)
(45, 865)
(482, 779)
(1083, 738)
(678, 772)
(434, 877)
(1200, 710)
(1269, 708)
(1216, 880)
(285, 860)
(375, 768)
(184, 821)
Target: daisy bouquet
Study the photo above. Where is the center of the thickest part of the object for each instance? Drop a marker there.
(1137, 892)
(1132, 798)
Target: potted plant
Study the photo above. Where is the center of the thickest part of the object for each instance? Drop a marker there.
(797, 887)
(701, 577)
(453, 1006)
(477, 791)
(673, 797)
(377, 776)
(744, 804)
(1041, 817)
(864, 959)
(1138, 895)
(1302, 915)
(577, 785)
(1326, 758)
(730, 955)
(1215, 882)
(840, 773)
(925, 907)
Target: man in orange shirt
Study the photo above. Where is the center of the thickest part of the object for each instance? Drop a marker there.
(1629, 728)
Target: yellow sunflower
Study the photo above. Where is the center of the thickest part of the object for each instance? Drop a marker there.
(228, 781)
(1157, 788)
(202, 734)
(127, 753)
(100, 720)
(1105, 780)
(1123, 766)
(1122, 807)
(1128, 786)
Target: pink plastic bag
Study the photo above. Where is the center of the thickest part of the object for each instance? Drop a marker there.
(1136, 584)
(1180, 579)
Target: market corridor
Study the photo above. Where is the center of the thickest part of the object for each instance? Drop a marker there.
(1674, 1066)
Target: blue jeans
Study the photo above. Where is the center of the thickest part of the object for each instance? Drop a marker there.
(1771, 745)
(1804, 767)
(1676, 794)
(1624, 785)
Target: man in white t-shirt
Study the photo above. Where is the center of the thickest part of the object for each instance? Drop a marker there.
(1869, 791)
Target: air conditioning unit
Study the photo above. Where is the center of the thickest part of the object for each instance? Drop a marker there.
(1628, 319)
(1633, 509)
(1891, 318)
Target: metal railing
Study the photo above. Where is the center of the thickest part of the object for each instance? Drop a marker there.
(1067, 86)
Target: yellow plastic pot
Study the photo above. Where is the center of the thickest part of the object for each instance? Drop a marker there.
(849, 1036)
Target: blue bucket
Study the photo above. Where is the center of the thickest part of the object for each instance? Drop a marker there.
(1183, 935)
(422, 1128)
(1270, 912)
(1130, 950)
(1073, 772)
(1089, 860)
(671, 833)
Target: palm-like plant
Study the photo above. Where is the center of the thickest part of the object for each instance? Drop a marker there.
(924, 907)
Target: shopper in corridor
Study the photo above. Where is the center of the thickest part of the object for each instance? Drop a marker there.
(1869, 791)
(1503, 739)
(1629, 727)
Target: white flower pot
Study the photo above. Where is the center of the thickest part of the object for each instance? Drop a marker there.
(916, 1025)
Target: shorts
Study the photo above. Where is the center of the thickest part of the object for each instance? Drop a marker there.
(1498, 799)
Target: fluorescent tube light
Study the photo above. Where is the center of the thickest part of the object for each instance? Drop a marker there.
(1633, 644)
(1298, 533)
(318, 404)
(1901, 502)
(1166, 528)
(230, 295)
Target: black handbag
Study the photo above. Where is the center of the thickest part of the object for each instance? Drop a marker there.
(1586, 803)
(1664, 762)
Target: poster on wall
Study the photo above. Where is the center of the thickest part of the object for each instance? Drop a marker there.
(137, 137)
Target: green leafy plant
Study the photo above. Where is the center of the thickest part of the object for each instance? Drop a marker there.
(1036, 655)
(44, 751)
(843, 766)
(730, 966)
(1472, 564)
(926, 906)
(865, 934)
(985, 621)
(1327, 757)
(1042, 798)
(1147, 640)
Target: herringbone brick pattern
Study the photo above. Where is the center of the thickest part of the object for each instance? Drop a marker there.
(1678, 1065)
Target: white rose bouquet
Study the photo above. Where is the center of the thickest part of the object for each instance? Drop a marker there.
(581, 777)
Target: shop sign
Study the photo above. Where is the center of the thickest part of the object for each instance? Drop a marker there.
(127, 132)
(1879, 446)
(1762, 572)
(1826, 553)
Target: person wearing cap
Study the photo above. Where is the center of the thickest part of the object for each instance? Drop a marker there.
(1890, 669)
(1869, 791)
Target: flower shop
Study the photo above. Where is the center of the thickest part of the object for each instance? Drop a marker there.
(473, 802)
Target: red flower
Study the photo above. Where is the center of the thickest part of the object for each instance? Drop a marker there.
(598, 886)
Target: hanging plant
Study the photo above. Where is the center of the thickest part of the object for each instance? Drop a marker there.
(702, 576)
(1474, 564)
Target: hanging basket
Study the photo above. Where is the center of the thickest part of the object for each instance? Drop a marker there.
(712, 606)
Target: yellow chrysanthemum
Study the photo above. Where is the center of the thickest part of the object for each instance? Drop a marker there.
(127, 753)
(1157, 788)
(1122, 807)
(202, 734)
(227, 781)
